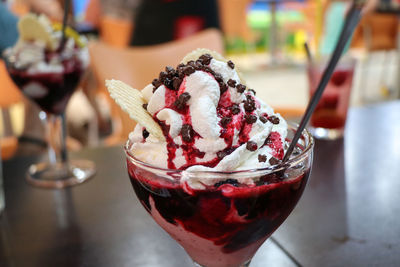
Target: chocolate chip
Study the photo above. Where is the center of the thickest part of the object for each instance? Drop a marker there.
(206, 59)
(225, 121)
(249, 105)
(235, 109)
(168, 83)
(231, 64)
(250, 119)
(252, 90)
(273, 161)
(169, 69)
(180, 102)
(252, 146)
(263, 119)
(145, 133)
(262, 158)
(162, 76)
(156, 83)
(187, 70)
(232, 83)
(187, 133)
(222, 87)
(240, 88)
(145, 106)
(176, 83)
(273, 119)
(233, 182)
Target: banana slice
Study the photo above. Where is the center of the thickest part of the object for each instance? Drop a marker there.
(131, 101)
(32, 27)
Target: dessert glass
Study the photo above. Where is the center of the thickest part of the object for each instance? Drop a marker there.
(224, 224)
(52, 91)
(329, 118)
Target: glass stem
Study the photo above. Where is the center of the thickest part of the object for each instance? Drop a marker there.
(55, 126)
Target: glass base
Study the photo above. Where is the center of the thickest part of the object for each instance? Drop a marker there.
(60, 175)
(246, 264)
(326, 134)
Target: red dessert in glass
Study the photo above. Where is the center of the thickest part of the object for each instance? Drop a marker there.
(329, 117)
(54, 88)
(223, 224)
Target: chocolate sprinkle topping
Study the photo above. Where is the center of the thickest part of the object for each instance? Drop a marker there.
(250, 119)
(145, 106)
(262, 158)
(240, 88)
(249, 104)
(162, 76)
(232, 83)
(187, 70)
(273, 161)
(156, 83)
(235, 109)
(222, 87)
(274, 119)
(225, 121)
(180, 102)
(145, 133)
(263, 119)
(252, 90)
(187, 133)
(176, 83)
(169, 69)
(252, 146)
(231, 64)
(206, 59)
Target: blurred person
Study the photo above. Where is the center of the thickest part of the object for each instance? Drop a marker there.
(160, 21)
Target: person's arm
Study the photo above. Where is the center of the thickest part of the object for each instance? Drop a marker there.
(8, 28)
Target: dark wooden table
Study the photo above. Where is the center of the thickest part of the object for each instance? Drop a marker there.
(349, 214)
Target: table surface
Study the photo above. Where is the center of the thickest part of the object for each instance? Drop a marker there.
(347, 216)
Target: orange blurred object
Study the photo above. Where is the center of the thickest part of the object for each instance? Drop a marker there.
(9, 95)
(115, 31)
(138, 66)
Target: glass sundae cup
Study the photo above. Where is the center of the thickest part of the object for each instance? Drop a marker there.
(224, 224)
(48, 70)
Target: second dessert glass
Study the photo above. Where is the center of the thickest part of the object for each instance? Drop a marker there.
(224, 224)
(329, 118)
(51, 91)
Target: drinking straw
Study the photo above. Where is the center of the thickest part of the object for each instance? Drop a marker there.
(64, 24)
(352, 19)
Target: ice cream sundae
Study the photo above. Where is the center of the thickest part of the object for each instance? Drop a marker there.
(44, 66)
(205, 159)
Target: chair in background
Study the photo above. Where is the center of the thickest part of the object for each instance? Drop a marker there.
(138, 66)
(380, 37)
(9, 96)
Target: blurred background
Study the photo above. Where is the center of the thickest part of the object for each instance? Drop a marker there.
(132, 40)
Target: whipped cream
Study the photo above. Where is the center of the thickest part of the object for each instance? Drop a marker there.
(33, 57)
(212, 122)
